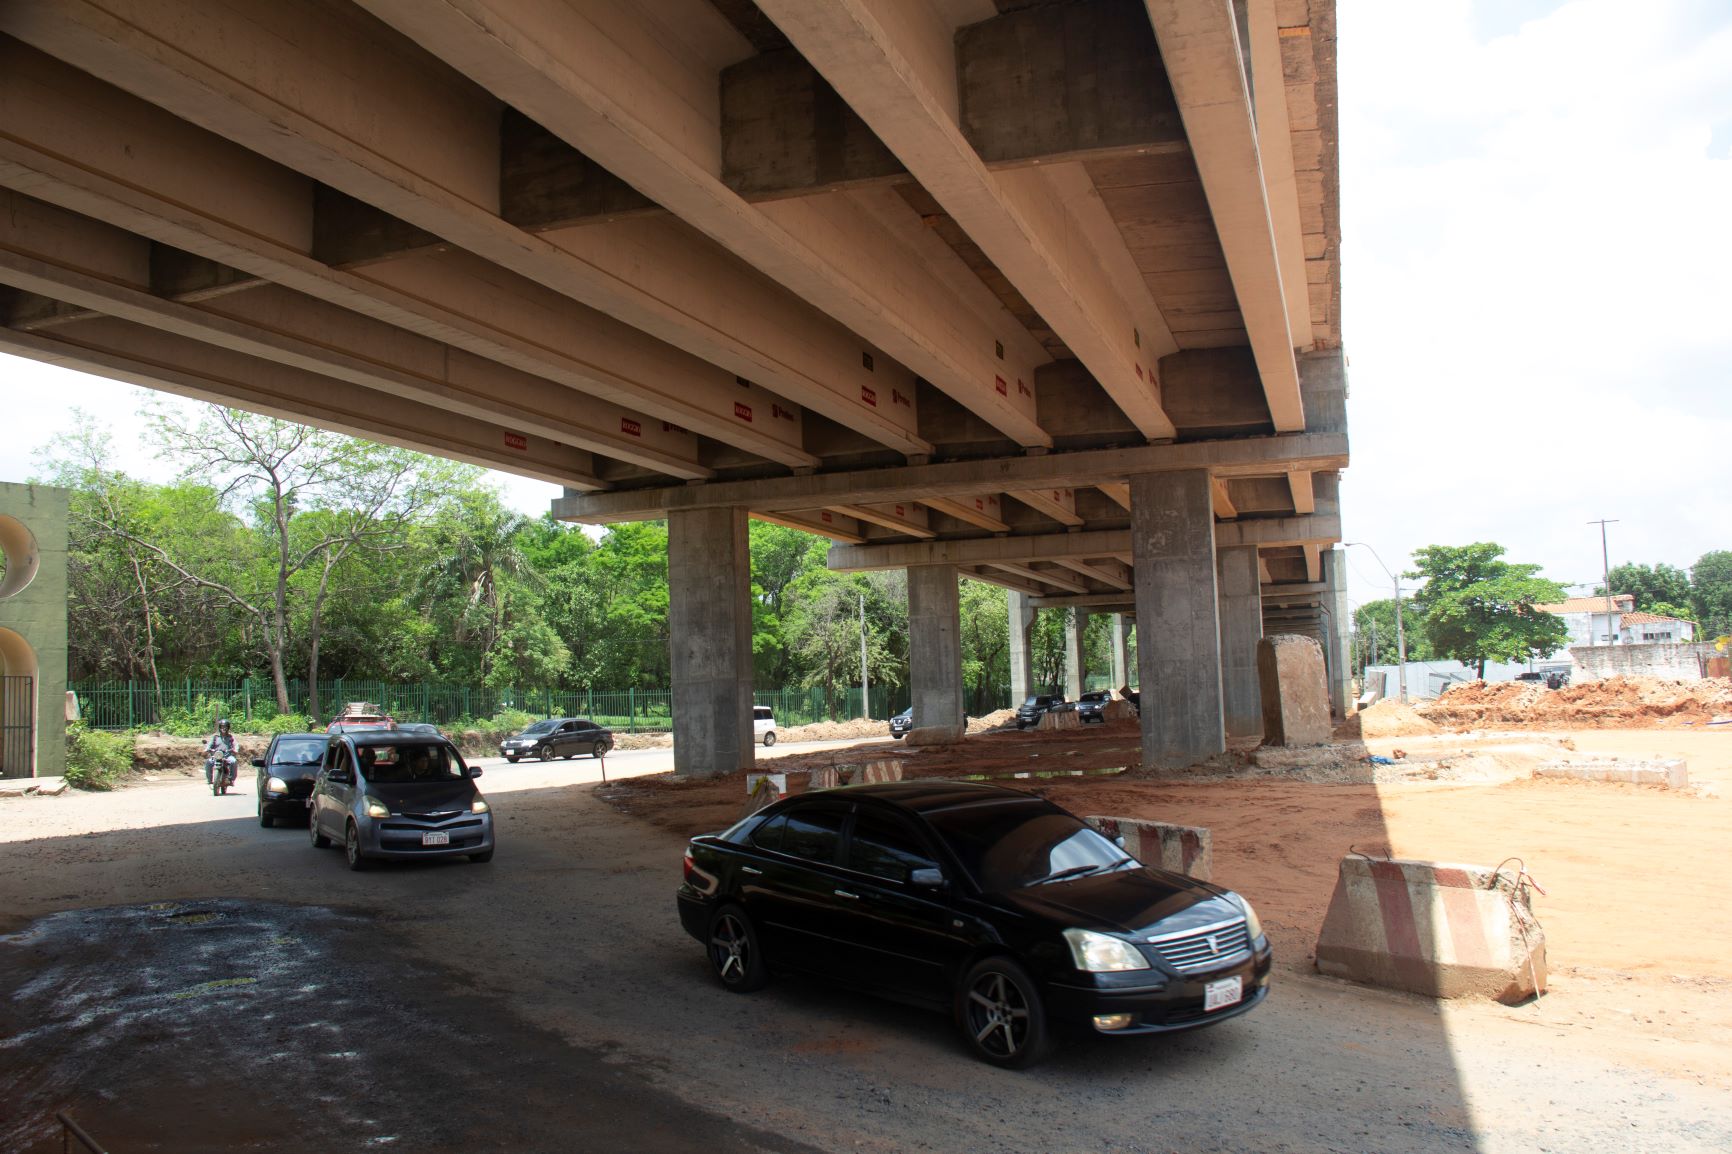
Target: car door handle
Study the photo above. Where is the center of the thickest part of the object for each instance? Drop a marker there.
(750, 870)
(846, 894)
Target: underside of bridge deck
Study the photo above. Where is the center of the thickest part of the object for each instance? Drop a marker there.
(963, 285)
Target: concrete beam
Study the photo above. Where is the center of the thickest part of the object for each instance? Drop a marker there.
(1250, 456)
(1059, 504)
(896, 66)
(900, 516)
(1275, 144)
(1321, 528)
(1222, 500)
(122, 351)
(1313, 560)
(1107, 572)
(607, 79)
(1099, 602)
(1304, 493)
(823, 522)
(1119, 492)
(47, 250)
(1058, 580)
(231, 216)
(362, 127)
(983, 510)
(1200, 47)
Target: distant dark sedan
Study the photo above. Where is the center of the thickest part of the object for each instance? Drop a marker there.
(285, 776)
(559, 737)
(902, 723)
(1089, 706)
(994, 904)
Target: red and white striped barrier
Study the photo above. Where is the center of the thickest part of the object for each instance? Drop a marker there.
(1180, 849)
(1448, 931)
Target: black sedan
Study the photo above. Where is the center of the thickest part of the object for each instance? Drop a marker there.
(993, 904)
(902, 723)
(558, 737)
(285, 776)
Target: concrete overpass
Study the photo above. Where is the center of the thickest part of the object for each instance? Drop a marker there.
(1045, 295)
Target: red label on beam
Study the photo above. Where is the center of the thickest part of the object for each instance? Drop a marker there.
(517, 441)
(869, 396)
(1003, 389)
(630, 427)
(742, 411)
(826, 517)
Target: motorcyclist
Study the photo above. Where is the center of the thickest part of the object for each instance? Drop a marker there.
(219, 749)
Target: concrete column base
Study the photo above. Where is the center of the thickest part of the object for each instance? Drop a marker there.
(935, 647)
(710, 640)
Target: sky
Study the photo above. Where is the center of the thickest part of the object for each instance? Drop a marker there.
(1536, 299)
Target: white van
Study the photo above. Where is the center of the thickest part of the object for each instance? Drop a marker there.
(764, 725)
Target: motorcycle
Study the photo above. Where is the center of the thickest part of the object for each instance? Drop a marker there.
(219, 770)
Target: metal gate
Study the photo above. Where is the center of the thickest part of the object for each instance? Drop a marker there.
(17, 726)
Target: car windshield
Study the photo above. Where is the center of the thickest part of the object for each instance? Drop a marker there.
(1015, 843)
(1094, 697)
(304, 752)
(408, 764)
(547, 726)
(1038, 701)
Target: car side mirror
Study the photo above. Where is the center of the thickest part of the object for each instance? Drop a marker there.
(475, 771)
(1119, 841)
(926, 878)
(258, 763)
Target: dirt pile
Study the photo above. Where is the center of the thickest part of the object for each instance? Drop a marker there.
(834, 730)
(1394, 719)
(157, 753)
(1613, 703)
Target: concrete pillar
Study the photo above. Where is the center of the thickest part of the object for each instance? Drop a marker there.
(1173, 544)
(1337, 626)
(1075, 654)
(935, 645)
(1021, 649)
(1240, 588)
(710, 628)
(1121, 649)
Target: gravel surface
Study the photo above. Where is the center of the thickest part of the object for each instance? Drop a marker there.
(563, 960)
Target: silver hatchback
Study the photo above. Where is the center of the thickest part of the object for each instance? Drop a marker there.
(387, 794)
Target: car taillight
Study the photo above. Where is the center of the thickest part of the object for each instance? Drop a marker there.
(689, 868)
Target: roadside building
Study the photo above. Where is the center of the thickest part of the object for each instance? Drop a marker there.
(1647, 628)
(1590, 620)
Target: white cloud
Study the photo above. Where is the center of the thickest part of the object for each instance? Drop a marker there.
(1537, 264)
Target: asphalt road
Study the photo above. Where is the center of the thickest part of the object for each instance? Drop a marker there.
(548, 1000)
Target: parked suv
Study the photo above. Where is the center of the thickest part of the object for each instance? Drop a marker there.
(764, 725)
(902, 723)
(1028, 713)
(1090, 705)
(558, 737)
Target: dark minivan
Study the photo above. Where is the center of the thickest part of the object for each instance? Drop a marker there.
(1028, 713)
(994, 904)
(285, 776)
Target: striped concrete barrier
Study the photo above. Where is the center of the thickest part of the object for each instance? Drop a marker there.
(887, 769)
(824, 777)
(1447, 931)
(1181, 849)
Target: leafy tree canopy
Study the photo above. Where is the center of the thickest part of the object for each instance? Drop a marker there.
(1650, 585)
(1479, 607)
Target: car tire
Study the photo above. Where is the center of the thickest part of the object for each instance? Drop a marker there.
(546, 753)
(598, 750)
(512, 760)
(265, 819)
(896, 736)
(769, 739)
(734, 953)
(1001, 1015)
(352, 848)
(320, 841)
(481, 858)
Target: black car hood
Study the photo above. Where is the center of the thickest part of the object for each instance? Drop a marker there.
(425, 797)
(1127, 901)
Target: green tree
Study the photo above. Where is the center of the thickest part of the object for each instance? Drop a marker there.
(985, 643)
(1375, 620)
(1711, 592)
(1479, 607)
(1650, 585)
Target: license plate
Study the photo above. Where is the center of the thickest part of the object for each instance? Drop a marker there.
(1219, 995)
(445, 839)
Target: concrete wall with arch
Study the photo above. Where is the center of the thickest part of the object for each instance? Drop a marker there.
(33, 536)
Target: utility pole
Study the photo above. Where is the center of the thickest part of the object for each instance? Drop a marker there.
(1606, 572)
(865, 685)
(1400, 632)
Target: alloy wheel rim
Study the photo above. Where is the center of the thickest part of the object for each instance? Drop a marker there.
(998, 1014)
(729, 948)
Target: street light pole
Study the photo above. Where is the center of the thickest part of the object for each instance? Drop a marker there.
(1606, 574)
(1400, 631)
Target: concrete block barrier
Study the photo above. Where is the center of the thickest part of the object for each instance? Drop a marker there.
(1118, 709)
(1067, 719)
(764, 790)
(1669, 772)
(1447, 931)
(887, 769)
(1182, 849)
(824, 777)
(935, 735)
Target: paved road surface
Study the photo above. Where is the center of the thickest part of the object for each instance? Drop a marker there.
(549, 1001)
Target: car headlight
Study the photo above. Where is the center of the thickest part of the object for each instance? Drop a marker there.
(1103, 953)
(1253, 925)
(478, 806)
(375, 807)
(277, 785)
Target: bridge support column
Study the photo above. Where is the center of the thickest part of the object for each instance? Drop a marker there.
(935, 646)
(1021, 649)
(1075, 654)
(1121, 647)
(710, 627)
(1173, 544)
(1241, 608)
(1337, 631)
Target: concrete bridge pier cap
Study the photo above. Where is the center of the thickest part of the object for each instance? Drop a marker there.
(710, 627)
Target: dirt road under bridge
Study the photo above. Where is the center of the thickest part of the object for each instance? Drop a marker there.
(549, 1001)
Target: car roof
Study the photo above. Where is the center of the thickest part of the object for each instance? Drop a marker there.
(391, 737)
(927, 794)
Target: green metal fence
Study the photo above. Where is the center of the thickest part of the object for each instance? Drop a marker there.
(134, 704)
